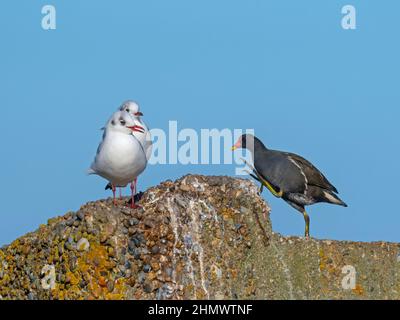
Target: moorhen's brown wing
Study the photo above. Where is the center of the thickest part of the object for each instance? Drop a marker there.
(314, 176)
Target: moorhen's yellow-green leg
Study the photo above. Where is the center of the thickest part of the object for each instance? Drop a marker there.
(307, 221)
(270, 188)
(265, 182)
(255, 178)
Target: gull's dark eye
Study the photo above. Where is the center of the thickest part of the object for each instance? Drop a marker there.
(127, 110)
(122, 122)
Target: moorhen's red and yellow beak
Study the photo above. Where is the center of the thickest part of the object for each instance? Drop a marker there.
(137, 129)
(139, 114)
(237, 145)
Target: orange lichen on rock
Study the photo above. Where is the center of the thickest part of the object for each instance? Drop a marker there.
(196, 238)
(97, 265)
(359, 290)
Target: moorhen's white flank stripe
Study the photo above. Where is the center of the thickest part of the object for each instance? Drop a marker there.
(302, 173)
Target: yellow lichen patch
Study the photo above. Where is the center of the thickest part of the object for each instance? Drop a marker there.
(200, 294)
(119, 290)
(72, 278)
(93, 269)
(97, 266)
(227, 213)
(250, 288)
(52, 221)
(216, 272)
(62, 292)
(324, 264)
(322, 260)
(189, 290)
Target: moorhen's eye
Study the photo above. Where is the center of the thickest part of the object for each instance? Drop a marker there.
(122, 122)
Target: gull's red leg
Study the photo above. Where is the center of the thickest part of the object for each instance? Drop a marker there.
(133, 191)
(133, 195)
(135, 182)
(113, 190)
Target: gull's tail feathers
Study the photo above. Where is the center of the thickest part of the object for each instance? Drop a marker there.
(90, 171)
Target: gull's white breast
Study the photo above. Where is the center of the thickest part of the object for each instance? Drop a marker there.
(120, 159)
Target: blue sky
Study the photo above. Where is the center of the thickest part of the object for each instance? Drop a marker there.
(285, 68)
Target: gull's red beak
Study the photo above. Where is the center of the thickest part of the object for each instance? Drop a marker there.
(137, 129)
(139, 114)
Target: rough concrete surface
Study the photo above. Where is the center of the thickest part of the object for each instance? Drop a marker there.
(197, 238)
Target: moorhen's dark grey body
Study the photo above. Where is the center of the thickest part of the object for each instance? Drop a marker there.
(289, 176)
